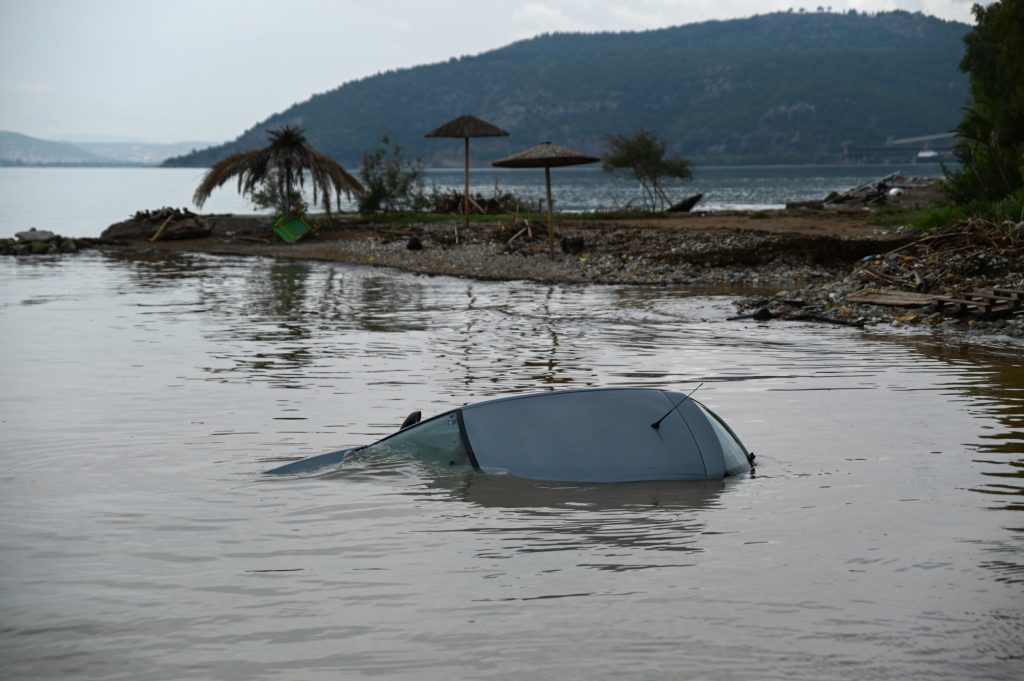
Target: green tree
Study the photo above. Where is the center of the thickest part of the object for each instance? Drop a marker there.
(268, 195)
(285, 161)
(644, 154)
(392, 183)
(991, 135)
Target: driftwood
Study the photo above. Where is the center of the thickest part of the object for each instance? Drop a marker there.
(686, 205)
(160, 232)
(805, 205)
(192, 227)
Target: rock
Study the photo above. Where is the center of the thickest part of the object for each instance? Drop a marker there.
(39, 247)
(35, 235)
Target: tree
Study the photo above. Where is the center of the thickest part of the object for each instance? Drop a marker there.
(285, 161)
(392, 183)
(644, 154)
(268, 194)
(990, 142)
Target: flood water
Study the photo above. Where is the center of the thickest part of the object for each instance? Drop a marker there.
(881, 537)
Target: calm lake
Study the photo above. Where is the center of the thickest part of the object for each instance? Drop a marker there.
(882, 536)
(84, 201)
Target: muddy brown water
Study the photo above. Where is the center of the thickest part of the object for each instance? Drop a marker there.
(881, 536)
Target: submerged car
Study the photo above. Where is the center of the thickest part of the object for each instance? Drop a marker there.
(592, 435)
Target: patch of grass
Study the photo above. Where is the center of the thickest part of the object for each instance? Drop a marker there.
(944, 214)
(401, 218)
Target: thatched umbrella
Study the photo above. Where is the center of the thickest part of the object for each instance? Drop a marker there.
(547, 156)
(465, 127)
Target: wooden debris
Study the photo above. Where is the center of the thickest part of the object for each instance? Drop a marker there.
(997, 302)
(892, 298)
(866, 194)
(160, 232)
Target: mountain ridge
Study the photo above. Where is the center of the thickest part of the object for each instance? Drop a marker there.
(773, 88)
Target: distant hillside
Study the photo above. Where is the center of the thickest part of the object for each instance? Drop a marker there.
(777, 88)
(143, 153)
(17, 149)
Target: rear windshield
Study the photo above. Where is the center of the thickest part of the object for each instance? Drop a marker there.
(732, 449)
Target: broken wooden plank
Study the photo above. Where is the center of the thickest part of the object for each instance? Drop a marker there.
(985, 303)
(892, 298)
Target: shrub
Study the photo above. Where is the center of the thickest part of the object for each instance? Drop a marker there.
(391, 182)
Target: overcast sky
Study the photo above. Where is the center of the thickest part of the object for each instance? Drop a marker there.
(177, 70)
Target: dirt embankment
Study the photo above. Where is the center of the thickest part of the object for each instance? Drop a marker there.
(710, 249)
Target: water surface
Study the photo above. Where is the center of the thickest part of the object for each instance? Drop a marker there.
(881, 536)
(85, 201)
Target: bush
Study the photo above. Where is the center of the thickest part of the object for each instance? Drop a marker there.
(391, 182)
(268, 194)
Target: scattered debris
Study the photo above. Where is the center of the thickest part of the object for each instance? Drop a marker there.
(572, 244)
(163, 224)
(969, 274)
(996, 302)
(893, 189)
(869, 193)
(450, 201)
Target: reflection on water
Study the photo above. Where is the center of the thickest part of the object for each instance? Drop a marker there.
(551, 517)
(880, 537)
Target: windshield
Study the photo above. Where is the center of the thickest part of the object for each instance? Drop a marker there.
(437, 441)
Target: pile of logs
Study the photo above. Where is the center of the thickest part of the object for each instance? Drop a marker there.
(161, 214)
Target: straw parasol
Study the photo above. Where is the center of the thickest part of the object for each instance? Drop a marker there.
(547, 156)
(465, 127)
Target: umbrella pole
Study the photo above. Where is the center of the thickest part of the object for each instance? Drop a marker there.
(551, 227)
(465, 195)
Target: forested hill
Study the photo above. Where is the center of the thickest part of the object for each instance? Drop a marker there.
(776, 88)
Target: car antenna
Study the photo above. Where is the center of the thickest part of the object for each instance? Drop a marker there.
(657, 424)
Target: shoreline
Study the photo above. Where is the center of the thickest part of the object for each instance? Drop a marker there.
(827, 266)
(694, 250)
(788, 265)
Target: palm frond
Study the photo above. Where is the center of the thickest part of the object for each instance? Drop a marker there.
(289, 155)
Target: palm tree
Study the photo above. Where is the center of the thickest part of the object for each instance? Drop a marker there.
(283, 161)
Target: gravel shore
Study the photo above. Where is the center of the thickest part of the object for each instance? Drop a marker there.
(699, 251)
